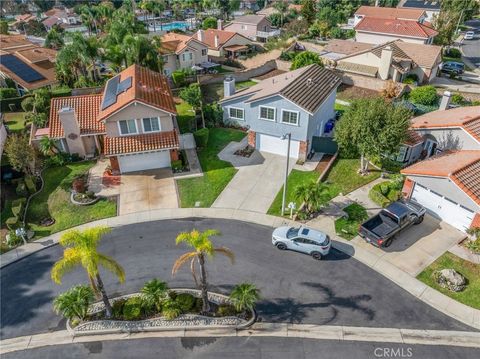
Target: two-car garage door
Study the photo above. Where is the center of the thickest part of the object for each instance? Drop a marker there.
(445, 209)
(276, 145)
(144, 161)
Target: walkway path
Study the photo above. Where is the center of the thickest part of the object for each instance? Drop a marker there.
(444, 304)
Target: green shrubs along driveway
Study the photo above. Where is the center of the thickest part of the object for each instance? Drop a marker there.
(348, 227)
(54, 201)
(217, 173)
(470, 295)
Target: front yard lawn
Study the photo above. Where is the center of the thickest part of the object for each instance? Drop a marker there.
(217, 173)
(295, 179)
(15, 121)
(54, 201)
(470, 295)
(348, 227)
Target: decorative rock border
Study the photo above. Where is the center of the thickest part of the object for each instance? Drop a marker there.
(180, 323)
(72, 199)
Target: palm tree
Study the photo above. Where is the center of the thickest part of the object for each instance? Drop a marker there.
(48, 146)
(74, 302)
(312, 194)
(154, 293)
(203, 248)
(244, 296)
(81, 249)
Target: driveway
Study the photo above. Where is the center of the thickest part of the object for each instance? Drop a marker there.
(152, 189)
(255, 186)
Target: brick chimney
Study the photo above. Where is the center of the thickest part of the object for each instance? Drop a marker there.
(71, 129)
(385, 62)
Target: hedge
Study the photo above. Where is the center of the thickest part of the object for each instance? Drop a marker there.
(6, 92)
(15, 101)
(201, 137)
(424, 95)
(376, 196)
(385, 193)
(178, 78)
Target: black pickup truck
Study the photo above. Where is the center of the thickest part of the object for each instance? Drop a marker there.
(380, 229)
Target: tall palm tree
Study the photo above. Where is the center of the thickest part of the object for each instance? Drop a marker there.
(202, 249)
(81, 249)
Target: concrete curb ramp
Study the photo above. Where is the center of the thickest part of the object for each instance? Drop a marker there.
(437, 300)
(325, 332)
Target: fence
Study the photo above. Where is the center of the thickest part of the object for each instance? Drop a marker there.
(240, 75)
(370, 83)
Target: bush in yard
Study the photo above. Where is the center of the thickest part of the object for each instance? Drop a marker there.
(213, 115)
(178, 78)
(185, 301)
(386, 192)
(376, 196)
(74, 303)
(28, 104)
(424, 95)
(8, 93)
(201, 137)
(452, 52)
(306, 58)
(410, 79)
(171, 309)
(132, 309)
(177, 165)
(154, 293)
(244, 296)
(21, 189)
(12, 223)
(30, 184)
(226, 310)
(17, 206)
(458, 99)
(209, 23)
(13, 240)
(117, 308)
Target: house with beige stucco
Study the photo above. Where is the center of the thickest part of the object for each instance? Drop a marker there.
(133, 122)
(255, 27)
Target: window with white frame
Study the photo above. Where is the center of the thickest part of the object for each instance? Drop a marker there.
(267, 113)
(151, 124)
(127, 127)
(204, 52)
(290, 117)
(236, 113)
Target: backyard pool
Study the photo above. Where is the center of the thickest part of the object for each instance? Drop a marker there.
(175, 25)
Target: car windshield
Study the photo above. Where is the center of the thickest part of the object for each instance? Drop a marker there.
(292, 232)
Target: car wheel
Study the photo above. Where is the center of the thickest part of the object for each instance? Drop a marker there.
(388, 242)
(419, 220)
(281, 246)
(317, 255)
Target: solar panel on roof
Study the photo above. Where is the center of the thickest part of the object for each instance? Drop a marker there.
(110, 96)
(20, 68)
(124, 85)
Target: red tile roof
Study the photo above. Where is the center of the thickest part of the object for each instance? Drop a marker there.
(173, 42)
(462, 167)
(396, 27)
(413, 138)
(141, 143)
(86, 109)
(148, 87)
(390, 12)
(467, 118)
(209, 37)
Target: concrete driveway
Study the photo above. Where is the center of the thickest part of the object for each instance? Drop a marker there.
(152, 189)
(255, 186)
(418, 246)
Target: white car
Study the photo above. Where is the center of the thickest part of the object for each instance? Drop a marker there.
(302, 239)
(469, 35)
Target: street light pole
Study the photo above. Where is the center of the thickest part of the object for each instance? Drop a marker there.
(289, 136)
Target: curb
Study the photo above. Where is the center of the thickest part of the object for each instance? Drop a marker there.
(284, 330)
(421, 291)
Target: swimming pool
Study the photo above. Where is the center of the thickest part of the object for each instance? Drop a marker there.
(175, 25)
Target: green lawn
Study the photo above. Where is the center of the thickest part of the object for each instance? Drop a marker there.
(295, 178)
(186, 117)
(54, 201)
(15, 121)
(470, 295)
(217, 173)
(347, 227)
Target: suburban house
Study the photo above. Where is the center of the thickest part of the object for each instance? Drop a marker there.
(255, 27)
(132, 122)
(393, 60)
(61, 16)
(448, 185)
(390, 13)
(431, 7)
(28, 65)
(300, 102)
(181, 52)
(222, 43)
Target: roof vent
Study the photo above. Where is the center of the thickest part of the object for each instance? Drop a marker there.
(309, 82)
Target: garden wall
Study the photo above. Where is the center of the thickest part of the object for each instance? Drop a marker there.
(240, 75)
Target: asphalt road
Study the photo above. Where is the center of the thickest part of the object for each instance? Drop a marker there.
(243, 348)
(471, 48)
(294, 287)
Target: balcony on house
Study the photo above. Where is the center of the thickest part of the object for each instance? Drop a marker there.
(267, 34)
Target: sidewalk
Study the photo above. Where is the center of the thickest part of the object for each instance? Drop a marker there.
(440, 302)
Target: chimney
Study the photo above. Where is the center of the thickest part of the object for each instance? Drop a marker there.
(385, 62)
(216, 40)
(200, 35)
(445, 103)
(71, 128)
(219, 24)
(228, 86)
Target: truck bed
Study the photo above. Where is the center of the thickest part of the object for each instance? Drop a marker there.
(380, 226)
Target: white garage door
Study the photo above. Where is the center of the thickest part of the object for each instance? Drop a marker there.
(277, 146)
(144, 161)
(447, 210)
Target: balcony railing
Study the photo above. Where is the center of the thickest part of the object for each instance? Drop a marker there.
(267, 34)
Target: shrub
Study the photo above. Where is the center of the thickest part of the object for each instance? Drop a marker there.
(393, 195)
(171, 309)
(376, 196)
(201, 137)
(12, 223)
(213, 114)
(226, 310)
(30, 184)
(458, 99)
(117, 308)
(209, 23)
(384, 188)
(244, 296)
(132, 309)
(21, 189)
(177, 165)
(410, 79)
(424, 95)
(74, 302)
(28, 104)
(452, 52)
(13, 240)
(154, 292)
(7, 93)
(185, 301)
(178, 78)
(17, 206)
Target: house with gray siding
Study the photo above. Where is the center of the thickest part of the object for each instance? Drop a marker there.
(299, 102)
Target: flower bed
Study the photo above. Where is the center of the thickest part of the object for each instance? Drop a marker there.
(158, 322)
(245, 152)
(83, 199)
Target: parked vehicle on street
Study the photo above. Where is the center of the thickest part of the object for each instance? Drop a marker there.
(302, 239)
(381, 229)
(452, 67)
(469, 35)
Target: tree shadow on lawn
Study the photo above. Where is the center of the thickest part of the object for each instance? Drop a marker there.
(293, 311)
